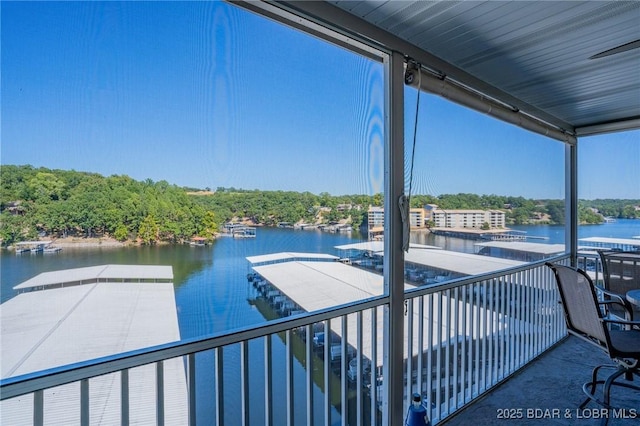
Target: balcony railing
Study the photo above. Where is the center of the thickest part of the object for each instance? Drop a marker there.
(461, 339)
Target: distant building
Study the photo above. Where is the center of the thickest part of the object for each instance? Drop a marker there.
(375, 217)
(419, 217)
(475, 219)
(375, 222)
(346, 207)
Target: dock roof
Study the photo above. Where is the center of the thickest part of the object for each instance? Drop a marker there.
(378, 246)
(287, 256)
(436, 257)
(47, 329)
(319, 285)
(33, 243)
(540, 248)
(605, 240)
(100, 272)
(462, 263)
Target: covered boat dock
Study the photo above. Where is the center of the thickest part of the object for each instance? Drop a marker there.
(519, 250)
(425, 264)
(318, 285)
(110, 309)
(94, 274)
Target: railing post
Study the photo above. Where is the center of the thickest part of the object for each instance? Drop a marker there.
(160, 393)
(289, 378)
(344, 415)
(124, 397)
(38, 408)
(244, 381)
(374, 366)
(409, 331)
(84, 402)
(191, 383)
(309, 365)
(420, 366)
(327, 372)
(219, 383)
(268, 371)
(359, 369)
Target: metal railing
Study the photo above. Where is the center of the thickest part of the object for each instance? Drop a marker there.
(461, 339)
(493, 326)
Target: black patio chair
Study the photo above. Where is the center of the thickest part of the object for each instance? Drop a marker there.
(585, 320)
(621, 272)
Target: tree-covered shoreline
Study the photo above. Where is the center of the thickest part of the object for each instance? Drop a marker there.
(36, 202)
(59, 203)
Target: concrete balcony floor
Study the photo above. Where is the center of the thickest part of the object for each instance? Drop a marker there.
(553, 381)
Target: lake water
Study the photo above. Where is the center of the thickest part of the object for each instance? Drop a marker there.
(211, 294)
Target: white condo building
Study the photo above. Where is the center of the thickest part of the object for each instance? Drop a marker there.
(418, 217)
(465, 218)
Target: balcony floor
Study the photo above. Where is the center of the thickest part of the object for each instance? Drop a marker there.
(553, 381)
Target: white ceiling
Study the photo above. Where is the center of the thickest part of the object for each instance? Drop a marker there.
(534, 55)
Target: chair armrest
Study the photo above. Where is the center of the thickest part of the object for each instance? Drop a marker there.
(630, 324)
(618, 300)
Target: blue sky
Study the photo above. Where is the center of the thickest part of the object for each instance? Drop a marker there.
(208, 95)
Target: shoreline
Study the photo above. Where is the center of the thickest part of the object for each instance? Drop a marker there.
(90, 243)
(71, 243)
(105, 242)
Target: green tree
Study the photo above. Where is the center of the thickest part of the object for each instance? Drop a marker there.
(630, 212)
(121, 233)
(555, 208)
(148, 231)
(588, 216)
(13, 228)
(209, 226)
(45, 187)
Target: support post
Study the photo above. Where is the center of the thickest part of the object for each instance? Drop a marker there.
(571, 201)
(393, 254)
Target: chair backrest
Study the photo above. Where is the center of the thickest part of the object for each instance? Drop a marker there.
(621, 270)
(580, 304)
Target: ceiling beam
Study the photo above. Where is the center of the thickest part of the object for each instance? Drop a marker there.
(615, 126)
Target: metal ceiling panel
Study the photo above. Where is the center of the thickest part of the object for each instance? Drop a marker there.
(536, 52)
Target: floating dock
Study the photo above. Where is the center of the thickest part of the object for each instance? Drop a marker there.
(86, 313)
(35, 247)
(238, 230)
